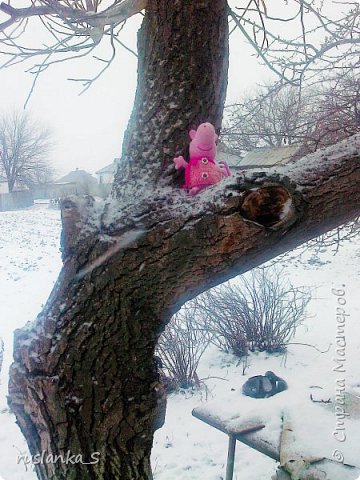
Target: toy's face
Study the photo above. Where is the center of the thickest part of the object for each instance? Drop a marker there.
(203, 141)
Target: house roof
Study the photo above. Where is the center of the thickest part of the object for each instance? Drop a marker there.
(269, 156)
(109, 168)
(77, 176)
(259, 157)
(3, 179)
(231, 159)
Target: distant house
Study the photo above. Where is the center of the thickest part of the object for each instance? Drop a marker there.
(82, 181)
(4, 188)
(262, 157)
(105, 176)
(77, 182)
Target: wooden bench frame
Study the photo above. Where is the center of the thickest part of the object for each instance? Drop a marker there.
(245, 435)
(250, 435)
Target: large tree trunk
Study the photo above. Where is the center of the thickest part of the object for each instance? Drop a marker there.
(84, 379)
(11, 182)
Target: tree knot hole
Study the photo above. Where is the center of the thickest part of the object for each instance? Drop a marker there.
(269, 206)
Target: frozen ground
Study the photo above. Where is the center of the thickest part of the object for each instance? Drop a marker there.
(185, 448)
(29, 264)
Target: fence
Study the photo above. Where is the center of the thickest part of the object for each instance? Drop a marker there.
(15, 200)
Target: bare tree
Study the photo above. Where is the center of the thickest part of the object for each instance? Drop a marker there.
(84, 379)
(24, 148)
(271, 117)
(335, 112)
(283, 115)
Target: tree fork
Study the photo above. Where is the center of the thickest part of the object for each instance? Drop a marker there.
(84, 379)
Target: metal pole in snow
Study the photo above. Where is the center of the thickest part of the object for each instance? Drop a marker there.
(230, 458)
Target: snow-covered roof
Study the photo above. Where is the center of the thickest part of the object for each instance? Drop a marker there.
(3, 179)
(260, 157)
(269, 156)
(231, 159)
(77, 176)
(109, 168)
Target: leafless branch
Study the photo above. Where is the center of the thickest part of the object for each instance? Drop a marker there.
(72, 29)
(79, 13)
(88, 82)
(311, 346)
(258, 49)
(323, 36)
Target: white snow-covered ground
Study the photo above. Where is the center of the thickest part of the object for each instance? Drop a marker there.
(29, 264)
(185, 448)
(189, 449)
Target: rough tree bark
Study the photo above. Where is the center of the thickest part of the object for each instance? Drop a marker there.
(84, 379)
(182, 80)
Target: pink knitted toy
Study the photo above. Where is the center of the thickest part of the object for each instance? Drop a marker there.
(202, 170)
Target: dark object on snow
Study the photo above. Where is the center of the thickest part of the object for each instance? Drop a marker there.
(263, 386)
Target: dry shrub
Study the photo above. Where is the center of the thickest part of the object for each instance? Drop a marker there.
(180, 348)
(261, 311)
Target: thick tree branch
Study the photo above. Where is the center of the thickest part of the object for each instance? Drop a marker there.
(120, 12)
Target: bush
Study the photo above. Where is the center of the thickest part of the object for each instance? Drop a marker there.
(180, 348)
(260, 311)
(220, 314)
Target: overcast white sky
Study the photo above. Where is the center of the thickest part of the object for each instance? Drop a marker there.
(88, 129)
